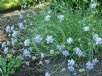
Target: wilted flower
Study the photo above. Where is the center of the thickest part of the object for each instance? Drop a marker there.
(78, 52)
(86, 28)
(14, 34)
(26, 53)
(69, 40)
(8, 29)
(5, 51)
(81, 70)
(49, 39)
(65, 53)
(60, 17)
(47, 18)
(27, 42)
(42, 55)
(37, 38)
(47, 74)
(20, 25)
(89, 65)
(51, 51)
(94, 5)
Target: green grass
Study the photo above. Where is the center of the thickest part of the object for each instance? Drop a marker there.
(8, 4)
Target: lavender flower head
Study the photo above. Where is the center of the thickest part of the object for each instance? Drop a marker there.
(94, 5)
(65, 53)
(27, 42)
(37, 38)
(89, 65)
(47, 74)
(8, 29)
(20, 25)
(49, 39)
(26, 53)
(60, 17)
(47, 18)
(78, 52)
(71, 65)
(86, 28)
(69, 40)
(14, 34)
(5, 51)
(42, 55)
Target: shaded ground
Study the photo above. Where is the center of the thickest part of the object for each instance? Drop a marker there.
(36, 68)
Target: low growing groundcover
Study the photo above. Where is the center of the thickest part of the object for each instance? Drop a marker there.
(70, 39)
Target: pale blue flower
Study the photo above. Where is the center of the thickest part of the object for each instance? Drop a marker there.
(20, 16)
(47, 18)
(20, 25)
(27, 63)
(93, 5)
(59, 47)
(26, 53)
(37, 38)
(71, 65)
(47, 74)
(49, 39)
(65, 53)
(47, 61)
(27, 42)
(86, 28)
(95, 61)
(14, 34)
(69, 40)
(3, 44)
(95, 36)
(8, 29)
(42, 55)
(98, 40)
(71, 62)
(60, 17)
(78, 52)
(12, 28)
(5, 51)
(70, 68)
(89, 65)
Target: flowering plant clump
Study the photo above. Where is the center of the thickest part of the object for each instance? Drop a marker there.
(72, 36)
